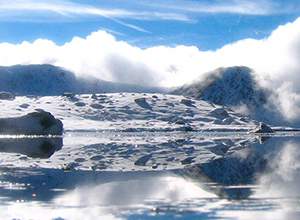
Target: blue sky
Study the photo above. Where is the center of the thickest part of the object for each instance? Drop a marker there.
(209, 25)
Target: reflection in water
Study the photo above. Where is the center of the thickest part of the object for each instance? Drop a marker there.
(251, 170)
(224, 177)
(94, 192)
(281, 179)
(31, 146)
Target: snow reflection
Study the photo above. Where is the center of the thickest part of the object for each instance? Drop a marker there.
(242, 179)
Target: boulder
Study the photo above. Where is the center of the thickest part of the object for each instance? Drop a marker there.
(186, 101)
(263, 128)
(6, 96)
(35, 123)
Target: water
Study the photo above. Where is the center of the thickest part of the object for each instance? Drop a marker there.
(150, 176)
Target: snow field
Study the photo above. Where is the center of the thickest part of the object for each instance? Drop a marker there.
(130, 112)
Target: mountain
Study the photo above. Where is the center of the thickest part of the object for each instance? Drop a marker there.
(226, 86)
(47, 79)
(236, 88)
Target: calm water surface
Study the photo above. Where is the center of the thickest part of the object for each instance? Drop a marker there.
(150, 176)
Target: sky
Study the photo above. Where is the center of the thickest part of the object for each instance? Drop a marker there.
(159, 43)
(206, 24)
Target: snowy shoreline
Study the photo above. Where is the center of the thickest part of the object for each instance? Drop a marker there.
(130, 112)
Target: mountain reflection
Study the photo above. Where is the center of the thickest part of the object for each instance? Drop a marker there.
(240, 174)
(217, 170)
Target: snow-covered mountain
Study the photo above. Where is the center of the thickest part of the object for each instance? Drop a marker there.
(226, 86)
(51, 80)
(236, 88)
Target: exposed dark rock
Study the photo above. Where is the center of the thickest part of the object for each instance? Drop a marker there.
(142, 160)
(35, 123)
(142, 103)
(186, 101)
(6, 96)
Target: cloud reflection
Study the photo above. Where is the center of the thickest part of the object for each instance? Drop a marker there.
(134, 192)
(283, 177)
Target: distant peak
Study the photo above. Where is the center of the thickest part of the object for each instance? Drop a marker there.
(229, 86)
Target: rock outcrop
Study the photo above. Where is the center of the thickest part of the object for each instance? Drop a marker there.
(35, 123)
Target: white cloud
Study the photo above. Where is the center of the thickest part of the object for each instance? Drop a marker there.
(176, 10)
(245, 7)
(275, 59)
(232, 7)
(48, 10)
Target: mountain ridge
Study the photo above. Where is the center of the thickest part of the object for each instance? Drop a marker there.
(237, 88)
(46, 79)
(234, 87)
(225, 86)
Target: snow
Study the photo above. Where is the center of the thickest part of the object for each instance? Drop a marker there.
(237, 88)
(136, 118)
(130, 111)
(226, 86)
(234, 87)
(130, 149)
(126, 126)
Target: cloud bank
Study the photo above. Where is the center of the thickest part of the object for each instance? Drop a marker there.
(275, 60)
